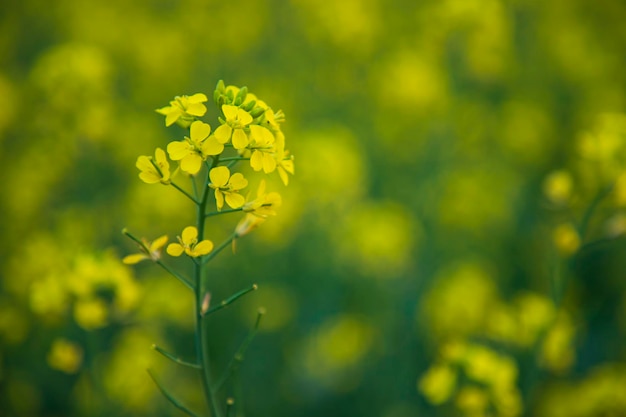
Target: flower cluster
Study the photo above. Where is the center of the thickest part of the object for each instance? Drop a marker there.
(248, 131)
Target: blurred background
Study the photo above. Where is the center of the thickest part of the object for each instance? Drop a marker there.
(451, 243)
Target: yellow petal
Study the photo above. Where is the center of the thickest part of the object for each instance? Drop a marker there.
(191, 164)
(230, 112)
(178, 150)
(211, 146)
(235, 200)
(219, 176)
(174, 249)
(189, 236)
(203, 248)
(261, 135)
(256, 160)
(283, 176)
(237, 181)
(219, 199)
(196, 109)
(158, 243)
(150, 177)
(159, 156)
(171, 118)
(199, 131)
(134, 258)
(240, 139)
(198, 98)
(223, 133)
(261, 190)
(244, 117)
(269, 163)
(143, 163)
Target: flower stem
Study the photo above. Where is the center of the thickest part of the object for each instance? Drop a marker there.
(201, 334)
(217, 213)
(189, 196)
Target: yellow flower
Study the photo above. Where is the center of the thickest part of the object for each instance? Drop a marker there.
(236, 120)
(194, 149)
(248, 224)
(155, 169)
(284, 162)
(184, 109)
(263, 149)
(264, 204)
(149, 250)
(65, 356)
(188, 243)
(227, 187)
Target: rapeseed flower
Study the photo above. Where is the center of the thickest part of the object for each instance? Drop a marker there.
(184, 109)
(188, 243)
(263, 205)
(227, 187)
(237, 119)
(262, 143)
(155, 169)
(149, 250)
(284, 162)
(193, 150)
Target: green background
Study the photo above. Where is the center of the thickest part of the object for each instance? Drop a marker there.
(423, 133)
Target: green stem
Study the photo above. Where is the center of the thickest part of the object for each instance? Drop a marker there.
(234, 158)
(221, 247)
(586, 219)
(217, 213)
(231, 299)
(182, 279)
(239, 355)
(201, 334)
(189, 196)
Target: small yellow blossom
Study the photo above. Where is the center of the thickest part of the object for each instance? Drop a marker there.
(188, 243)
(184, 109)
(566, 239)
(236, 120)
(248, 224)
(65, 356)
(263, 205)
(438, 383)
(227, 187)
(262, 144)
(194, 149)
(149, 250)
(284, 162)
(155, 169)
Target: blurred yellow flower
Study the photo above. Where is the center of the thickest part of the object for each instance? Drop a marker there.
(558, 186)
(194, 149)
(90, 313)
(227, 187)
(236, 120)
(149, 250)
(566, 239)
(183, 109)
(155, 169)
(438, 383)
(65, 356)
(188, 243)
(263, 205)
(248, 224)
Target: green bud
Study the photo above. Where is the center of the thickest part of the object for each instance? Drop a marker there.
(218, 92)
(249, 106)
(241, 95)
(256, 112)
